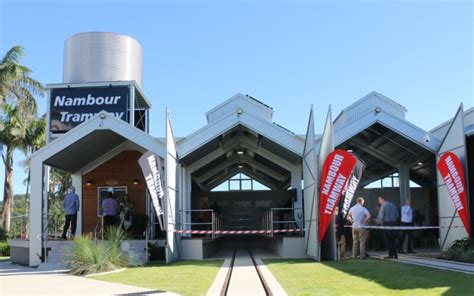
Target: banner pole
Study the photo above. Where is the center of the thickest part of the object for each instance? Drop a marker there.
(449, 228)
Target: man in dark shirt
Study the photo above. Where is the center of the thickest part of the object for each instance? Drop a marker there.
(71, 207)
(388, 216)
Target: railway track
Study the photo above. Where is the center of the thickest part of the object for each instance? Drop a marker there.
(244, 276)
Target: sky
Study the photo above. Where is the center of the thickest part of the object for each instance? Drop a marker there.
(288, 54)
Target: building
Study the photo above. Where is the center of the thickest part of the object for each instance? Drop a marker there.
(98, 128)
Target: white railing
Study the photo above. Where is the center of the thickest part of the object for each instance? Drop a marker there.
(216, 222)
(271, 220)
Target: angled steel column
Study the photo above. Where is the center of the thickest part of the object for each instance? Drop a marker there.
(404, 183)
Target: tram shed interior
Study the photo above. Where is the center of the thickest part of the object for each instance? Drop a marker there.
(246, 187)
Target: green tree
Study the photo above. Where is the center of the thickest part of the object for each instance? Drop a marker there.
(34, 139)
(17, 101)
(59, 182)
(12, 133)
(16, 85)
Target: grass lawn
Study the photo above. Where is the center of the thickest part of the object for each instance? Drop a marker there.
(4, 258)
(187, 277)
(368, 277)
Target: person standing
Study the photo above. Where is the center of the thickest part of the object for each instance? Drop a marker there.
(126, 212)
(388, 216)
(109, 210)
(406, 220)
(71, 207)
(359, 216)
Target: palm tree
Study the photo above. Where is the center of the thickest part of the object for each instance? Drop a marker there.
(16, 85)
(35, 138)
(12, 133)
(17, 101)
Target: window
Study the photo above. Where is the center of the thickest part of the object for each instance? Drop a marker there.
(389, 181)
(240, 182)
(102, 192)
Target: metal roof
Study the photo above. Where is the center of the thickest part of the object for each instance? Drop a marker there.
(90, 141)
(258, 159)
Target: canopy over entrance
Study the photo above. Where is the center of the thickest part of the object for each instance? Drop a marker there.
(77, 152)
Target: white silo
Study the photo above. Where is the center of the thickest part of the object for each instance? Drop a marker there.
(102, 56)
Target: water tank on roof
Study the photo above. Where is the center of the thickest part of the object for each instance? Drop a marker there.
(101, 56)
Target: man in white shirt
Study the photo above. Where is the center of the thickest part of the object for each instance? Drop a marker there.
(406, 220)
(359, 217)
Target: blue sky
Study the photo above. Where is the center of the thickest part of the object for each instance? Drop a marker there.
(288, 54)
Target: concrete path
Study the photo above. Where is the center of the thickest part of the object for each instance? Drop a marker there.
(429, 262)
(245, 279)
(19, 280)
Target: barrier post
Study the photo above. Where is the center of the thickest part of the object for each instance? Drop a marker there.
(212, 217)
(271, 222)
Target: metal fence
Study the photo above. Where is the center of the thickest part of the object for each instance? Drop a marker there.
(278, 218)
(19, 227)
(200, 222)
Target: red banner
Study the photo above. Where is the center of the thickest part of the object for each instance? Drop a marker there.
(336, 172)
(451, 170)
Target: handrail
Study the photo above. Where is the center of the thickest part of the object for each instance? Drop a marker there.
(100, 223)
(268, 219)
(215, 223)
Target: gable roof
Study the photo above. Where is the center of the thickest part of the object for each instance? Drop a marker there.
(231, 105)
(91, 139)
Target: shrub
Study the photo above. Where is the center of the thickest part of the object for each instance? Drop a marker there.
(4, 249)
(3, 234)
(115, 236)
(90, 256)
(56, 218)
(461, 250)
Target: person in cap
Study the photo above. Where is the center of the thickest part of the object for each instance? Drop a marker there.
(71, 207)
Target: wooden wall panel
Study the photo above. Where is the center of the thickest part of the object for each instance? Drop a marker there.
(125, 169)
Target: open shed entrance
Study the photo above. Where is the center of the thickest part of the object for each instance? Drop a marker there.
(398, 169)
(245, 184)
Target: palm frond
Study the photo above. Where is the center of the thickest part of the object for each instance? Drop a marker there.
(13, 55)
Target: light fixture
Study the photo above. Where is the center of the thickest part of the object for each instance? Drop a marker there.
(377, 110)
(240, 166)
(135, 182)
(239, 111)
(240, 152)
(89, 183)
(420, 163)
(350, 151)
(102, 116)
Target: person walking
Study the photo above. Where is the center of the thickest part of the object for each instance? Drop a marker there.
(406, 220)
(388, 216)
(359, 216)
(110, 210)
(71, 206)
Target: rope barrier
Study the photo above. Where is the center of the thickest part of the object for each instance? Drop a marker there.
(237, 232)
(404, 227)
(276, 231)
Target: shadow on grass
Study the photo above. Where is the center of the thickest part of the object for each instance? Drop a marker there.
(397, 276)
